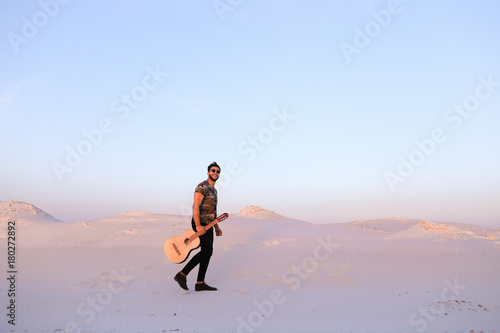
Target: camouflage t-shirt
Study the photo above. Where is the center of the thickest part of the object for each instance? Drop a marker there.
(208, 207)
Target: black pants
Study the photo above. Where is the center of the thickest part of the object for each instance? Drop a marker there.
(202, 257)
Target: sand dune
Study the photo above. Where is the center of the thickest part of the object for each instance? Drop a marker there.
(274, 274)
(23, 211)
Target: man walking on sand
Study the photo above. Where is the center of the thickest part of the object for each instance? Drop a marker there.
(204, 212)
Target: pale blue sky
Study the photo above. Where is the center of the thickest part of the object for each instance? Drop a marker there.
(67, 67)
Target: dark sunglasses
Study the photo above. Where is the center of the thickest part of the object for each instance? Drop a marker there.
(215, 170)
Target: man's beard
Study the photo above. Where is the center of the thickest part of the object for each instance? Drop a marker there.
(213, 179)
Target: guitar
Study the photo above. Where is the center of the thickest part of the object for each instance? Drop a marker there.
(178, 248)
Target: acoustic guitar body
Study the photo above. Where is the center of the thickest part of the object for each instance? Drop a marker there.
(178, 248)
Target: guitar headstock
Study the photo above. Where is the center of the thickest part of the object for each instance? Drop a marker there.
(222, 217)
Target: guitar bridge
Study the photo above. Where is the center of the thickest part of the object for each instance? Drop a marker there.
(176, 249)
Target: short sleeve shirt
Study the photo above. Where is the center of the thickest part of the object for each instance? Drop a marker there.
(208, 207)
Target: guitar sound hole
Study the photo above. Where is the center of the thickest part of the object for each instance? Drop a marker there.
(186, 241)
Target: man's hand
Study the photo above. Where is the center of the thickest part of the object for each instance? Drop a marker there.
(200, 229)
(218, 231)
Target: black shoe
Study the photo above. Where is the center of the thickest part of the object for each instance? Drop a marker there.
(203, 286)
(181, 280)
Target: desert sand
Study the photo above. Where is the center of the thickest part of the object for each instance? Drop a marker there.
(274, 274)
